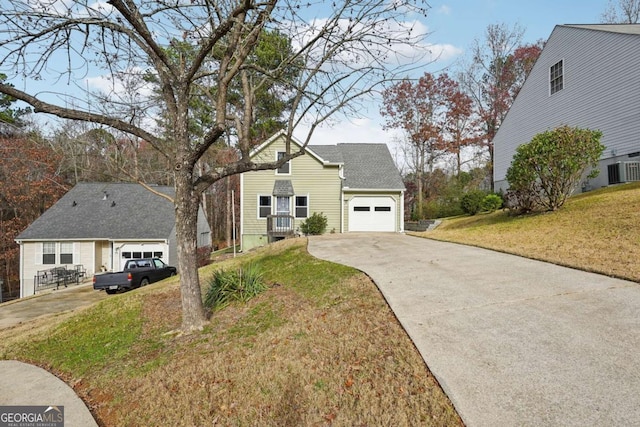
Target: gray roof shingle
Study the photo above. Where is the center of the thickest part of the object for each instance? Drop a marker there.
(129, 211)
(366, 166)
(283, 187)
(329, 153)
(612, 28)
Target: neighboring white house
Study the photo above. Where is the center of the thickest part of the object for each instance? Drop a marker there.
(356, 186)
(587, 76)
(99, 226)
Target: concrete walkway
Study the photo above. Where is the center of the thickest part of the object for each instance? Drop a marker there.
(22, 384)
(512, 341)
(27, 385)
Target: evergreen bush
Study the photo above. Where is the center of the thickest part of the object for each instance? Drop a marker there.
(491, 202)
(314, 225)
(545, 171)
(471, 202)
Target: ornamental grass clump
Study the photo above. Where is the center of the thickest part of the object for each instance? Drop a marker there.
(227, 286)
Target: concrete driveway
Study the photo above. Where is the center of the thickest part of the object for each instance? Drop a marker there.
(48, 303)
(512, 341)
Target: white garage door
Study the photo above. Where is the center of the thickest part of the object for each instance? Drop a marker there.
(137, 251)
(372, 214)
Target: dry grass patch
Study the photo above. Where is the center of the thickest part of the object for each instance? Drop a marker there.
(596, 231)
(320, 347)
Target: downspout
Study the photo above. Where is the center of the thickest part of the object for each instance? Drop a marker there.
(341, 176)
(22, 271)
(241, 213)
(402, 211)
(341, 210)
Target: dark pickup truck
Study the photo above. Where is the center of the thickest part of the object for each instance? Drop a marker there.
(136, 273)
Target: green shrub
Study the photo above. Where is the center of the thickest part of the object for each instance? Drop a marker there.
(491, 202)
(233, 285)
(545, 171)
(314, 225)
(471, 202)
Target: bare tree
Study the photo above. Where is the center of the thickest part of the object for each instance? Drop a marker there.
(204, 50)
(498, 69)
(621, 12)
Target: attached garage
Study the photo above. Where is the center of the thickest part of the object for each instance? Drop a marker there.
(372, 213)
(129, 251)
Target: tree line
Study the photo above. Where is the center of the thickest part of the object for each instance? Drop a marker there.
(453, 118)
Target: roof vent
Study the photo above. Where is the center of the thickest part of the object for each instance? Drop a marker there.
(113, 203)
(106, 195)
(74, 203)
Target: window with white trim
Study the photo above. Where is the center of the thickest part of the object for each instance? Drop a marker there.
(264, 206)
(66, 253)
(302, 206)
(48, 252)
(556, 77)
(284, 169)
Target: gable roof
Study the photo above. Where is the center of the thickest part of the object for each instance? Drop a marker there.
(328, 153)
(369, 167)
(366, 166)
(611, 28)
(91, 211)
(294, 140)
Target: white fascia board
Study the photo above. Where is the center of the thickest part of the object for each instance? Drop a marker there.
(373, 190)
(295, 140)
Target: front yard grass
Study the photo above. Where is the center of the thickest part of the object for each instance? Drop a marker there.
(596, 231)
(319, 347)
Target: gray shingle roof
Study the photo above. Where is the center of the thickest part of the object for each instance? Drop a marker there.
(612, 28)
(369, 167)
(329, 153)
(129, 211)
(283, 187)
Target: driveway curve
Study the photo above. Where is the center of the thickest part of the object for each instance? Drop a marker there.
(511, 340)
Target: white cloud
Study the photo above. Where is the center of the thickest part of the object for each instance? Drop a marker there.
(123, 84)
(70, 8)
(444, 52)
(444, 10)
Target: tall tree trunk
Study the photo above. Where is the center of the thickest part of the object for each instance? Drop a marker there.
(187, 203)
(228, 222)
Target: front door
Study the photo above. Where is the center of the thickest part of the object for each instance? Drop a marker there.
(283, 207)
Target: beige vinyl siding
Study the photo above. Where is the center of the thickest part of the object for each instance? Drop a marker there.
(29, 267)
(308, 176)
(396, 197)
(83, 253)
(103, 256)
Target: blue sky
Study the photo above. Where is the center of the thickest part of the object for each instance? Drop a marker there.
(455, 24)
(458, 22)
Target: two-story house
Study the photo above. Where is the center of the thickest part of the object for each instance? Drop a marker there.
(587, 77)
(356, 186)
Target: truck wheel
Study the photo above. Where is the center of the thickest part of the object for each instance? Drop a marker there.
(111, 291)
(144, 282)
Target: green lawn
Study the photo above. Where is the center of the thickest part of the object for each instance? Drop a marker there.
(596, 231)
(319, 347)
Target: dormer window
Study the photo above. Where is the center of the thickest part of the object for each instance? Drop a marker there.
(286, 168)
(556, 77)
